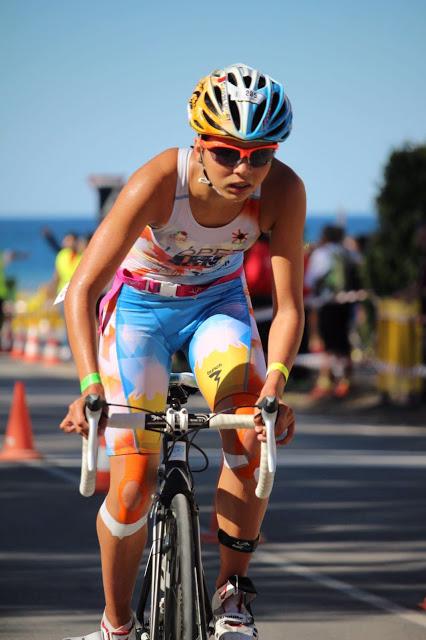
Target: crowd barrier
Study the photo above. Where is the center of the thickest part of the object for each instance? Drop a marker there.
(34, 331)
(399, 348)
(34, 334)
(399, 336)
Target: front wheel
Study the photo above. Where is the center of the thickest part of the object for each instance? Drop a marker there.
(180, 589)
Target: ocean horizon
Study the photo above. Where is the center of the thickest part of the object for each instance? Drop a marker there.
(24, 233)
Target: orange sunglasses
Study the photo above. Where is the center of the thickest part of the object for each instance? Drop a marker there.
(230, 156)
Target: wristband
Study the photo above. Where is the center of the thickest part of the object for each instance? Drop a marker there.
(91, 378)
(278, 366)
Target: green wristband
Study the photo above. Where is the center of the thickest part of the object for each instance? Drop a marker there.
(91, 378)
(279, 366)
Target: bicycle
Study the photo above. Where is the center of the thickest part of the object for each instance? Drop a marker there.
(174, 574)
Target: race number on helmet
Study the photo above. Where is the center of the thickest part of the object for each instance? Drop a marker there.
(240, 102)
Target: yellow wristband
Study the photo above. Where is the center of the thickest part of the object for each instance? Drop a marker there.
(278, 366)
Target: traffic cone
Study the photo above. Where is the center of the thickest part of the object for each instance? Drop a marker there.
(18, 443)
(422, 604)
(102, 472)
(19, 336)
(32, 344)
(51, 349)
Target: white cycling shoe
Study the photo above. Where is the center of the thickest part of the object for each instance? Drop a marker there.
(232, 614)
(107, 632)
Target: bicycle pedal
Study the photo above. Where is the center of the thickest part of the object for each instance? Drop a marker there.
(142, 634)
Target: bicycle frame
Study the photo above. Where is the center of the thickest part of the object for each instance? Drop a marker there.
(174, 477)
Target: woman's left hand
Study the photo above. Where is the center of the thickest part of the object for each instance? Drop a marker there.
(284, 426)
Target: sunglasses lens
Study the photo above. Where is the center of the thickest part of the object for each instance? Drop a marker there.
(224, 156)
(261, 157)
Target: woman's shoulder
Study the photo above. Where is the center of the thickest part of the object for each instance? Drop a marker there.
(283, 192)
(160, 167)
(283, 179)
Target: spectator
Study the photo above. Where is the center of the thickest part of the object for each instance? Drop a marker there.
(68, 241)
(330, 271)
(258, 272)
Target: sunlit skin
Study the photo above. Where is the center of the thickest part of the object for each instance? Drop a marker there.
(148, 199)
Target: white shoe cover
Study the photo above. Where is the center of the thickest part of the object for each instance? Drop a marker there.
(233, 621)
(106, 633)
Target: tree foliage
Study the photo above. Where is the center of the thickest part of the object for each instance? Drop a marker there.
(392, 259)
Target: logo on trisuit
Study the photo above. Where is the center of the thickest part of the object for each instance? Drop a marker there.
(215, 373)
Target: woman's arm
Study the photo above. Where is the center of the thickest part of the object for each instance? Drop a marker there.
(146, 199)
(286, 204)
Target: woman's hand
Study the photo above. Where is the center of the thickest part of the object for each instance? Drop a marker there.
(284, 426)
(75, 420)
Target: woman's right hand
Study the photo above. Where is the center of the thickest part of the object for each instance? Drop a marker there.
(75, 420)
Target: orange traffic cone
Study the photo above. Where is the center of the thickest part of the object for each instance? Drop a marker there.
(422, 604)
(32, 344)
(18, 443)
(19, 338)
(102, 473)
(51, 349)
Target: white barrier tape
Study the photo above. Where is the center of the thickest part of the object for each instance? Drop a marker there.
(418, 371)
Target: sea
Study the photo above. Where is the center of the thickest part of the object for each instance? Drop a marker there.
(37, 267)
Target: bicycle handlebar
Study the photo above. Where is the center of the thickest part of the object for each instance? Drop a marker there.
(268, 451)
(89, 451)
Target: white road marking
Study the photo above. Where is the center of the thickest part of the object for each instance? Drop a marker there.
(279, 560)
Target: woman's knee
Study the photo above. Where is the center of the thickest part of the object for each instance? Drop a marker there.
(126, 507)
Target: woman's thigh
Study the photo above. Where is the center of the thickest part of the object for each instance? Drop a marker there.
(134, 361)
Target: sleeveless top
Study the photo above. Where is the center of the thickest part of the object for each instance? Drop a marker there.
(184, 251)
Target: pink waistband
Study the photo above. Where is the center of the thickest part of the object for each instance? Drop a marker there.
(167, 289)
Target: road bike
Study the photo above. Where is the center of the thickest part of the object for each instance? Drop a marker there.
(174, 602)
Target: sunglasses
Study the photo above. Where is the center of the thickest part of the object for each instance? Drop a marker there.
(229, 156)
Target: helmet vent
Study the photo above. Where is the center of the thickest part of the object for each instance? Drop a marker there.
(218, 94)
(232, 79)
(275, 100)
(210, 121)
(210, 104)
(258, 115)
(247, 81)
(261, 82)
(235, 113)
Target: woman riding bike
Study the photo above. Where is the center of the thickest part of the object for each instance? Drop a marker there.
(173, 246)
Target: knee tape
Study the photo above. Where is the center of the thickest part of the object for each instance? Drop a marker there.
(245, 457)
(118, 529)
(132, 495)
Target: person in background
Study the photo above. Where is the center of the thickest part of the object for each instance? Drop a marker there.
(258, 272)
(327, 275)
(6, 284)
(66, 262)
(68, 240)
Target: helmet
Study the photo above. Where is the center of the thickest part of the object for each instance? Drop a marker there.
(240, 102)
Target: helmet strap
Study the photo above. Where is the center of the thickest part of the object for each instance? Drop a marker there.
(204, 179)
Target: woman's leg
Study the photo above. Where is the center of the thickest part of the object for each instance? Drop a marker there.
(122, 530)
(227, 358)
(134, 365)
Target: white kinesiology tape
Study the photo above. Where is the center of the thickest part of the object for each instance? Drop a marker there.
(233, 461)
(118, 529)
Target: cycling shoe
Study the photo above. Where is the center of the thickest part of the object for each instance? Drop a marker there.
(232, 614)
(126, 632)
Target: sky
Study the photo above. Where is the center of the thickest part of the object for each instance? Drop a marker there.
(100, 86)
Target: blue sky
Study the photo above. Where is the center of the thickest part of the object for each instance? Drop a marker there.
(101, 86)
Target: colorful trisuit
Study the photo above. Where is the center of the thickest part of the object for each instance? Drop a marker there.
(140, 331)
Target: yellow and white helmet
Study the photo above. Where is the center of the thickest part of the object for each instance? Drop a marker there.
(242, 103)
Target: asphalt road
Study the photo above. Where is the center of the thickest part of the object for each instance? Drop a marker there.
(344, 556)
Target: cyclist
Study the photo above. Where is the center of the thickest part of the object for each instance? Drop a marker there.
(173, 244)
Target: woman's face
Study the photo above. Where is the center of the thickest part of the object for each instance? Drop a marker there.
(234, 183)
